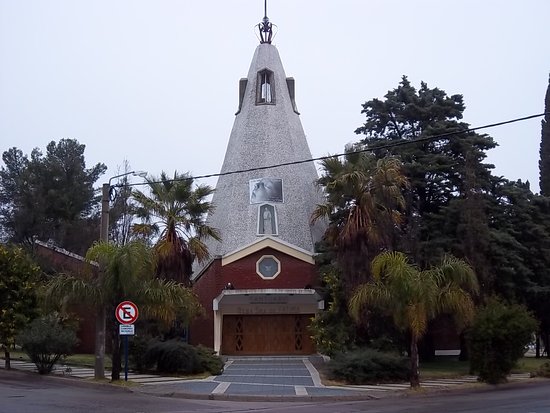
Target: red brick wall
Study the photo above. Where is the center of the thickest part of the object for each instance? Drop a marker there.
(242, 274)
(208, 287)
(57, 260)
(295, 273)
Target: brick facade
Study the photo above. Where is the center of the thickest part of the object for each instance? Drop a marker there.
(242, 275)
(62, 261)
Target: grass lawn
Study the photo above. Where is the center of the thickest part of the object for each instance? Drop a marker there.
(529, 364)
(451, 367)
(443, 367)
(85, 360)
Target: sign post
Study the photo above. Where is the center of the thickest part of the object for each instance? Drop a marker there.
(126, 313)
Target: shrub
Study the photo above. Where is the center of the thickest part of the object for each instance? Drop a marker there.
(172, 356)
(497, 339)
(175, 356)
(386, 344)
(331, 331)
(137, 350)
(366, 366)
(542, 371)
(46, 341)
(209, 360)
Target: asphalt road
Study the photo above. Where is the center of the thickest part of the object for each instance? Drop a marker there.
(29, 393)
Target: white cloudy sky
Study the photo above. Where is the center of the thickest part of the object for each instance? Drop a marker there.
(155, 82)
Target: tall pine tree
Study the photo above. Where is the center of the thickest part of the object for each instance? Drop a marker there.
(445, 173)
(544, 162)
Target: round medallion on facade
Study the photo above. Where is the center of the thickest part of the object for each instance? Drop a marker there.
(268, 267)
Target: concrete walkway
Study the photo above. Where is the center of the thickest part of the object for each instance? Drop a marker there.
(260, 377)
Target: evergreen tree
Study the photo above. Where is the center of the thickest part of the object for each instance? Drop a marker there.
(50, 196)
(519, 253)
(544, 162)
(447, 175)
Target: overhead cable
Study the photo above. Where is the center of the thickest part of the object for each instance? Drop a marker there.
(368, 148)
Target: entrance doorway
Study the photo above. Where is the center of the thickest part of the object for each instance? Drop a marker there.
(275, 334)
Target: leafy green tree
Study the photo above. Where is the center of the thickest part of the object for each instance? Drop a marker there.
(175, 212)
(121, 211)
(413, 297)
(520, 248)
(544, 162)
(364, 199)
(498, 337)
(18, 283)
(439, 171)
(13, 198)
(332, 329)
(46, 341)
(50, 196)
(128, 274)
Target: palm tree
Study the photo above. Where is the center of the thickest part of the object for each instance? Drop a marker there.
(413, 297)
(176, 212)
(128, 273)
(364, 199)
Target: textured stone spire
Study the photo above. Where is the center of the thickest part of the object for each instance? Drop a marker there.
(267, 131)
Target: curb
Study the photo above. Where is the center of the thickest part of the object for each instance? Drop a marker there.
(260, 398)
(427, 392)
(73, 381)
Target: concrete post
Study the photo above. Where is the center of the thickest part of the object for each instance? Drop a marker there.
(99, 365)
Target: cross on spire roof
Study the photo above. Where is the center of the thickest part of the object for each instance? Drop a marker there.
(265, 27)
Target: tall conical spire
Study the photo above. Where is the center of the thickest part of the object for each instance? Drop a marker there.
(275, 203)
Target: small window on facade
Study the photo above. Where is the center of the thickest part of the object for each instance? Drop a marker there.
(268, 267)
(267, 220)
(265, 93)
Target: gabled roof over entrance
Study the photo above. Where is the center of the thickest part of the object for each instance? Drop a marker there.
(268, 242)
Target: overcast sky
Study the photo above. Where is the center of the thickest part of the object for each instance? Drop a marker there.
(156, 82)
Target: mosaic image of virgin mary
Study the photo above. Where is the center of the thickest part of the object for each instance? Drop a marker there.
(266, 190)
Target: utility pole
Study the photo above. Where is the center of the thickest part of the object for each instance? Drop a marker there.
(99, 365)
(100, 327)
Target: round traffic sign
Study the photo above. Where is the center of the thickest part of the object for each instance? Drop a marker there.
(126, 312)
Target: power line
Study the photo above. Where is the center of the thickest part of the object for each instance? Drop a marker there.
(368, 148)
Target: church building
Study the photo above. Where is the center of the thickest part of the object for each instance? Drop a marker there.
(258, 288)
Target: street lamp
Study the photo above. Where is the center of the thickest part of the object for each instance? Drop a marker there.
(99, 365)
(106, 189)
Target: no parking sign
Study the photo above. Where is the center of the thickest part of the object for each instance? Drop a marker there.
(126, 312)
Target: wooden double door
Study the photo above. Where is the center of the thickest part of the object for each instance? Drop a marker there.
(266, 334)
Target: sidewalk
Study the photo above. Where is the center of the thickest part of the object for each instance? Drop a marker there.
(88, 373)
(293, 378)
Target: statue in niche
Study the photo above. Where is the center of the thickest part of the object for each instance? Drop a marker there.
(268, 228)
(266, 220)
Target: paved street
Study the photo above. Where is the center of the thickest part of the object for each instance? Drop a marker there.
(23, 392)
(267, 377)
